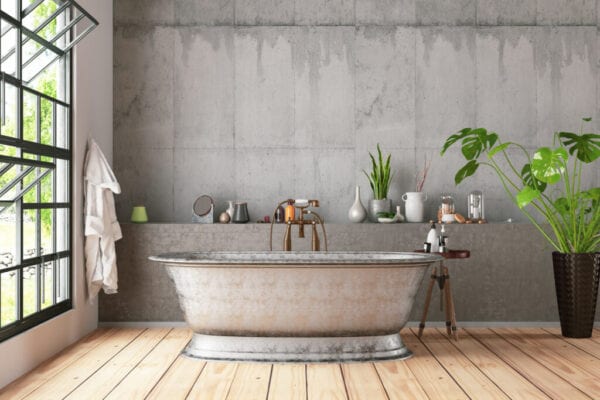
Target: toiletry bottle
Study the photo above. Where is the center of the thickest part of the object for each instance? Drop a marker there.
(280, 215)
(290, 211)
(432, 237)
(443, 238)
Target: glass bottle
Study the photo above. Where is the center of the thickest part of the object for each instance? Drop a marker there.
(475, 206)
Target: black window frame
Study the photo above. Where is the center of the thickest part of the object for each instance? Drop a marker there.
(38, 150)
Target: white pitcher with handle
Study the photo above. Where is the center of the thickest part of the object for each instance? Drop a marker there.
(415, 206)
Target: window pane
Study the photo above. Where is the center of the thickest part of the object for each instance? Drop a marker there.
(8, 44)
(30, 285)
(46, 121)
(8, 188)
(8, 107)
(62, 280)
(62, 127)
(47, 280)
(46, 186)
(9, 7)
(30, 130)
(47, 230)
(30, 234)
(62, 229)
(8, 233)
(8, 298)
(62, 181)
(36, 20)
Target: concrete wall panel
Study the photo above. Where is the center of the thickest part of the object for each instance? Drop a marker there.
(264, 12)
(506, 83)
(506, 12)
(385, 87)
(204, 108)
(324, 87)
(445, 94)
(446, 12)
(264, 87)
(566, 12)
(204, 12)
(143, 106)
(324, 12)
(385, 12)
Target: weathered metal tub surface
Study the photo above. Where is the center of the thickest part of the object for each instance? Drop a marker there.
(296, 306)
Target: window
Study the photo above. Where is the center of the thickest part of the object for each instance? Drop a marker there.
(35, 158)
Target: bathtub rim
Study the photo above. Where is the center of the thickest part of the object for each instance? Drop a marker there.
(298, 259)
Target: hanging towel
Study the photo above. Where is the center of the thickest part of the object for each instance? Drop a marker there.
(102, 229)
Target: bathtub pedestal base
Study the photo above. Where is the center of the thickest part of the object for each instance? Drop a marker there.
(297, 349)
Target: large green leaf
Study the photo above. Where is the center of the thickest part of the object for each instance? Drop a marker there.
(526, 196)
(455, 138)
(467, 170)
(548, 165)
(476, 142)
(586, 146)
(530, 180)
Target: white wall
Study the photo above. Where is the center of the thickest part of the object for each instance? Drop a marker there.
(92, 116)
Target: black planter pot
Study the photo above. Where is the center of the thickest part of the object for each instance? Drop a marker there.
(576, 279)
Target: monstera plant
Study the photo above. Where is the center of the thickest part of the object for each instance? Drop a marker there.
(550, 182)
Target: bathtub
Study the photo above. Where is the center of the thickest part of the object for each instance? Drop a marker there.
(296, 306)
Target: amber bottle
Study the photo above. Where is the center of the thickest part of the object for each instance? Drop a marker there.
(290, 212)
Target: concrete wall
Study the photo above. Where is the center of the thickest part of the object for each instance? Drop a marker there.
(92, 116)
(270, 99)
(508, 278)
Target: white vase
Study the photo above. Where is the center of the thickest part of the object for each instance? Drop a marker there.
(230, 209)
(357, 212)
(379, 205)
(415, 206)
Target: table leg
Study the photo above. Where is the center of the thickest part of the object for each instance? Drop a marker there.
(450, 312)
(432, 282)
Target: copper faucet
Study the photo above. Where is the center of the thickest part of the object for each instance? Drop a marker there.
(301, 221)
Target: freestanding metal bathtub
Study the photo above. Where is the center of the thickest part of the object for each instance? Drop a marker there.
(296, 306)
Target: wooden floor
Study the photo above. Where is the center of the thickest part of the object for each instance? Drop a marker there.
(483, 364)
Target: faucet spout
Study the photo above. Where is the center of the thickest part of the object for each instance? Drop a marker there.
(287, 238)
(316, 246)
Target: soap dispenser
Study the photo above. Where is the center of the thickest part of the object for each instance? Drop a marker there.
(432, 237)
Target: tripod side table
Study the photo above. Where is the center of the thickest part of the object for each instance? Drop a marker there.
(443, 281)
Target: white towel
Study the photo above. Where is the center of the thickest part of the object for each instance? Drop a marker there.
(102, 229)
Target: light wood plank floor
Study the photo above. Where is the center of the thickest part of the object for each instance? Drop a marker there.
(483, 364)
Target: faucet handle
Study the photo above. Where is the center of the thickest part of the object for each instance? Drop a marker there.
(313, 203)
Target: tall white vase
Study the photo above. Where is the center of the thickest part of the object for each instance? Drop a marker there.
(357, 212)
(415, 206)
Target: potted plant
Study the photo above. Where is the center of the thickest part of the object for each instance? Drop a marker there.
(379, 179)
(572, 212)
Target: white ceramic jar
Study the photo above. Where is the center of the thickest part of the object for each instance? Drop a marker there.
(415, 206)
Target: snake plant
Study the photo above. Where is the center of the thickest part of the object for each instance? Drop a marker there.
(380, 176)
